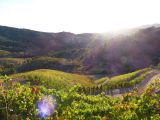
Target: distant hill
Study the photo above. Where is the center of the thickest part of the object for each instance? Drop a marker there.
(87, 53)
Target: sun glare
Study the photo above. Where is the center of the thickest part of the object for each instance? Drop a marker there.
(79, 16)
(46, 106)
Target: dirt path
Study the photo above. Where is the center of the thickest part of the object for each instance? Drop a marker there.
(140, 86)
(147, 79)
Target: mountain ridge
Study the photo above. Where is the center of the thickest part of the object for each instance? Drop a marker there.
(95, 53)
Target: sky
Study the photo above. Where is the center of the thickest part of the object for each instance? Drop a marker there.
(78, 16)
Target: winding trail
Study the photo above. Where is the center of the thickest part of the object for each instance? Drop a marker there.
(147, 79)
(140, 86)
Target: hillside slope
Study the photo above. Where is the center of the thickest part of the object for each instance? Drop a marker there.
(109, 54)
(52, 78)
(139, 80)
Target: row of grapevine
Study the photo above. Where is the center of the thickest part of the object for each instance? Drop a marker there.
(26, 102)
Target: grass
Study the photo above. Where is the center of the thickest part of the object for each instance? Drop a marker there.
(53, 78)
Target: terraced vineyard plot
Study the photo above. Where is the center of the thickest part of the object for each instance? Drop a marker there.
(123, 80)
(53, 78)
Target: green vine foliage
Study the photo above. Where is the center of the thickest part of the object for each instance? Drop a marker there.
(19, 102)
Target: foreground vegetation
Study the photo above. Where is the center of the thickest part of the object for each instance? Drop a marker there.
(22, 102)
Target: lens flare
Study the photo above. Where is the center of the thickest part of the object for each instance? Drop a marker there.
(46, 106)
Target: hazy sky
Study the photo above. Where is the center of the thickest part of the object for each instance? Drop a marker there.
(78, 16)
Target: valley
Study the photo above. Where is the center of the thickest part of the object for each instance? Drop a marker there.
(89, 76)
